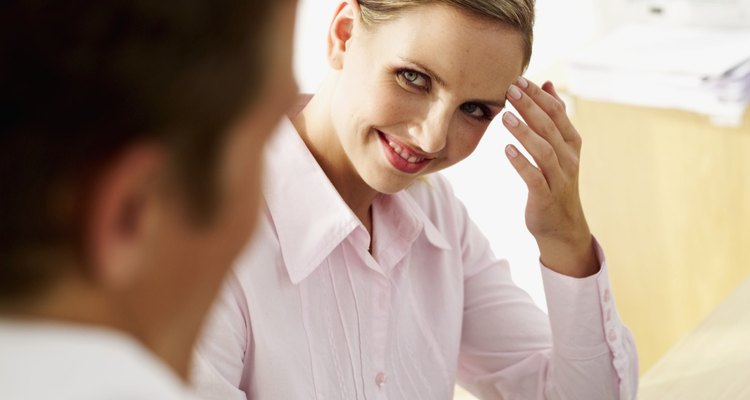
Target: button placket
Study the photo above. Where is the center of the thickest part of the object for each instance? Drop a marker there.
(381, 318)
(380, 379)
(384, 300)
(611, 334)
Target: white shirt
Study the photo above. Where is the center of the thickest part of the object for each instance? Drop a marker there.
(49, 361)
(309, 313)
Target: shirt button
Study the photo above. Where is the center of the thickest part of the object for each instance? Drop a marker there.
(609, 315)
(380, 379)
(606, 295)
(612, 335)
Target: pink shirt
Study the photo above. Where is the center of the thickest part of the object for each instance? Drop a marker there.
(308, 313)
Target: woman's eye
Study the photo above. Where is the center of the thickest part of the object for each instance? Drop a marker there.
(415, 78)
(475, 110)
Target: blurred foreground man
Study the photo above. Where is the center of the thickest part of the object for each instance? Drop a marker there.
(131, 134)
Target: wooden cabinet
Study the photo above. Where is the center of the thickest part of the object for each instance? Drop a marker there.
(668, 196)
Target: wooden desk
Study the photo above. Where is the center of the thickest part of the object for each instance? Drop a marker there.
(712, 362)
(668, 196)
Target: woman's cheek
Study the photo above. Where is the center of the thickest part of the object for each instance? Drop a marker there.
(465, 141)
(393, 105)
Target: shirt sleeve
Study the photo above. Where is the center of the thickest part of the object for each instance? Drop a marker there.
(510, 349)
(582, 313)
(218, 361)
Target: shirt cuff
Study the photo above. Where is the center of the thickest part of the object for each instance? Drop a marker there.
(583, 318)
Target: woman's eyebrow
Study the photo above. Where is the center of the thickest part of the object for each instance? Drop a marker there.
(441, 82)
(499, 104)
(430, 72)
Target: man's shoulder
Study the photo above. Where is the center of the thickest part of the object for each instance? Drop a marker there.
(53, 360)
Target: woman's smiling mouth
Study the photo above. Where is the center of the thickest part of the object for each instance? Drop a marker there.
(401, 156)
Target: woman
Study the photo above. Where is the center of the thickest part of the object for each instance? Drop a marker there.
(367, 279)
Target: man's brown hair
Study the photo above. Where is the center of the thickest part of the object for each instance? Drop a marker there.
(82, 80)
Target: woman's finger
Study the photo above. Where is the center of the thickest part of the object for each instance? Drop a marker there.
(530, 174)
(550, 88)
(540, 149)
(545, 113)
(548, 100)
(537, 118)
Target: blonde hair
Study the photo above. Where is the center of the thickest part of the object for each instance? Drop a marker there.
(517, 14)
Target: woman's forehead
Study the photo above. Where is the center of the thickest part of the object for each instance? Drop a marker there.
(462, 50)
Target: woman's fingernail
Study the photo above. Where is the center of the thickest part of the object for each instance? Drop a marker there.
(510, 119)
(514, 92)
(522, 82)
(511, 151)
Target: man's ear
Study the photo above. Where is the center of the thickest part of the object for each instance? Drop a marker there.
(340, 31)
(121, 213)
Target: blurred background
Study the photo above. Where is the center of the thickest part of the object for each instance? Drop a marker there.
(659, 90)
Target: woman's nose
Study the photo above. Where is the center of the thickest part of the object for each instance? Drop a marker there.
(432, 133)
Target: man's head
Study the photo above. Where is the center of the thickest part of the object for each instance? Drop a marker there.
(131, 132)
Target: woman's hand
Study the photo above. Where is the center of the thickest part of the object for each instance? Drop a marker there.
(554, 214)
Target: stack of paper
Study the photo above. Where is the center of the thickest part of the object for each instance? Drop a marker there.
(696, 69)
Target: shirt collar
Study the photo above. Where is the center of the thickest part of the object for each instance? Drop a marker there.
(400, 222)
(310, 217)
(432, 233)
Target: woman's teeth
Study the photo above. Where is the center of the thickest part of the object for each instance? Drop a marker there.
(404, 153)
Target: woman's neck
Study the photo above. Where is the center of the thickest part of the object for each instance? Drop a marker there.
(317, 131)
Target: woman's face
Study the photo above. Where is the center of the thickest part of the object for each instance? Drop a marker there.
(415, 95)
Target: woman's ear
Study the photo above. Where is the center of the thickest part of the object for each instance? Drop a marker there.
(120, 214)
(340, 32)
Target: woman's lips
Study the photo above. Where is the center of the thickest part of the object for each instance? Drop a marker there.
(401, 157)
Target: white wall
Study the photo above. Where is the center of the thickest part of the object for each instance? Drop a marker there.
(494, 195)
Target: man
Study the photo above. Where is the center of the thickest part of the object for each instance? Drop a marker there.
(131, 134)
